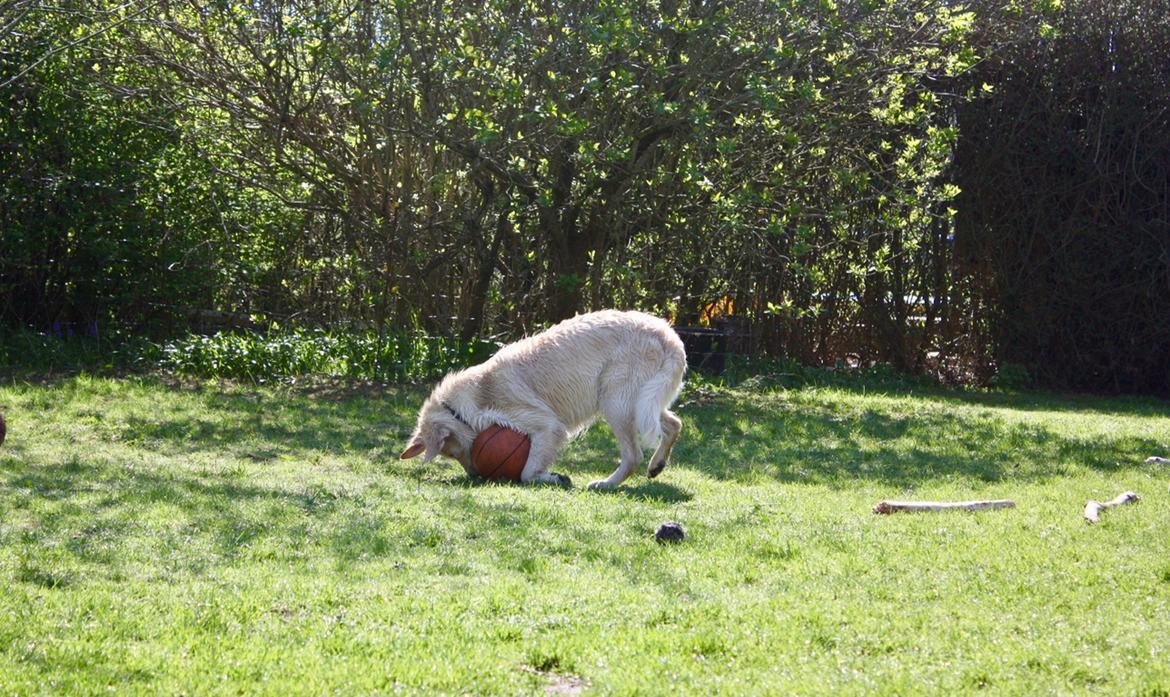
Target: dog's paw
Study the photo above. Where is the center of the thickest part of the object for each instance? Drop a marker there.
(655, 469)
(601, 485)
(561, 479)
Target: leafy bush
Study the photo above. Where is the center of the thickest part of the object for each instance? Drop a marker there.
(61, 348)
(249, 356)
(1062, 225)
(45, 351)
(259, 357)
(1012, 376)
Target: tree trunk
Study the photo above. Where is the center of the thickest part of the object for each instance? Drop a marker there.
(473, 322)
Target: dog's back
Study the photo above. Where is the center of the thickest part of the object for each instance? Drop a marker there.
(576, 365)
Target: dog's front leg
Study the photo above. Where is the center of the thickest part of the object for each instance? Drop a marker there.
(627, 437)
(545, 446)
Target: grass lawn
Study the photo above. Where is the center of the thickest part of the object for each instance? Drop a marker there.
(222, 539)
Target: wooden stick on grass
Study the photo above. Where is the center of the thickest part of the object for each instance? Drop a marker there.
(1094, 508)
(887, 507)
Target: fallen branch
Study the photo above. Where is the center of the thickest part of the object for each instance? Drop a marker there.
(1094, 508)
(1153, 459)
(887, 507)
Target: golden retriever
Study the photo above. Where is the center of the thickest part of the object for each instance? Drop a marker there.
(624, 366)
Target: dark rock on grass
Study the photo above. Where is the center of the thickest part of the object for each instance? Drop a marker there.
(670, 532)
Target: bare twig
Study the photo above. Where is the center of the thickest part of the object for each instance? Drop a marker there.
(887, 507)
(1094, 508)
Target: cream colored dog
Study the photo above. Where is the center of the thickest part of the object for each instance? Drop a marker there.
(625, 366)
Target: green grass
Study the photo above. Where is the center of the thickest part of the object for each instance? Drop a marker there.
(202, 538)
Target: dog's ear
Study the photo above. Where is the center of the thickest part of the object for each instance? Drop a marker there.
(416, 446)
(434, 444)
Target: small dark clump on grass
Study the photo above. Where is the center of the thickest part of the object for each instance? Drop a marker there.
(670, 532)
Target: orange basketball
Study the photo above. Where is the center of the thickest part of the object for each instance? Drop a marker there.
(500, 453)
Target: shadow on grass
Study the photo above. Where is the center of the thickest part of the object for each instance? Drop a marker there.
(99, 503)
(1050, 402)
(655, 491)
(812, 443)
(271, 427)
(892, 384)
(649, 491)
(78, 518)
(728, 438)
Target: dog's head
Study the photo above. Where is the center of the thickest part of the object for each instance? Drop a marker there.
(440, 431)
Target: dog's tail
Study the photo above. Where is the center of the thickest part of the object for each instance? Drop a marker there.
(655, 395)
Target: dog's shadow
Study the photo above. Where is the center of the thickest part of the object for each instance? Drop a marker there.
(658, 492)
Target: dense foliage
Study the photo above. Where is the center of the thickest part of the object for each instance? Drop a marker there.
(481, 169)
(1064, 219)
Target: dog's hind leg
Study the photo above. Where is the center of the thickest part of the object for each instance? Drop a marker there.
(671, 427)
(546, 443)
(631, 450)
(655, 420)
